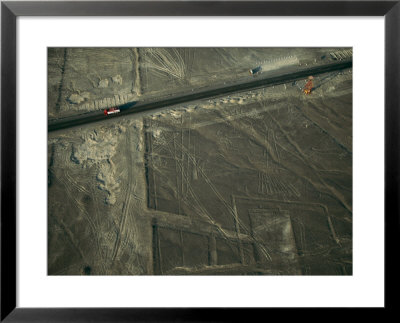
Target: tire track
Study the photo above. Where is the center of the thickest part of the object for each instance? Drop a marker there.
(230, 209)
(61, 85)
(125, 209)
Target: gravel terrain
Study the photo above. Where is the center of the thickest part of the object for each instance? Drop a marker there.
(255, 183)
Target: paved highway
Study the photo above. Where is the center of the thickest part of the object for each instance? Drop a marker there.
(259, 81)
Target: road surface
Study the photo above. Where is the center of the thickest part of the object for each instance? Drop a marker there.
(281, 76)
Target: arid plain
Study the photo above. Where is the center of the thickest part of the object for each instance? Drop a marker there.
(257, 182)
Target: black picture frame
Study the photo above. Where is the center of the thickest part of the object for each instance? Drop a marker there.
(10, 10)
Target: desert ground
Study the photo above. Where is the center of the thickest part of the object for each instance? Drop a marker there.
(257, 182)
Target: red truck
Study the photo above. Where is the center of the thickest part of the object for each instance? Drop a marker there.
(111, 111)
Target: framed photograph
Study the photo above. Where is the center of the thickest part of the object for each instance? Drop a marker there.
(197, 160)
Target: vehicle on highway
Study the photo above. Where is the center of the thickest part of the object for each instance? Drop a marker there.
(256, 70)
(112, 110)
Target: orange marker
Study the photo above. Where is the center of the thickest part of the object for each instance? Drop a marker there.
(309, 85)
